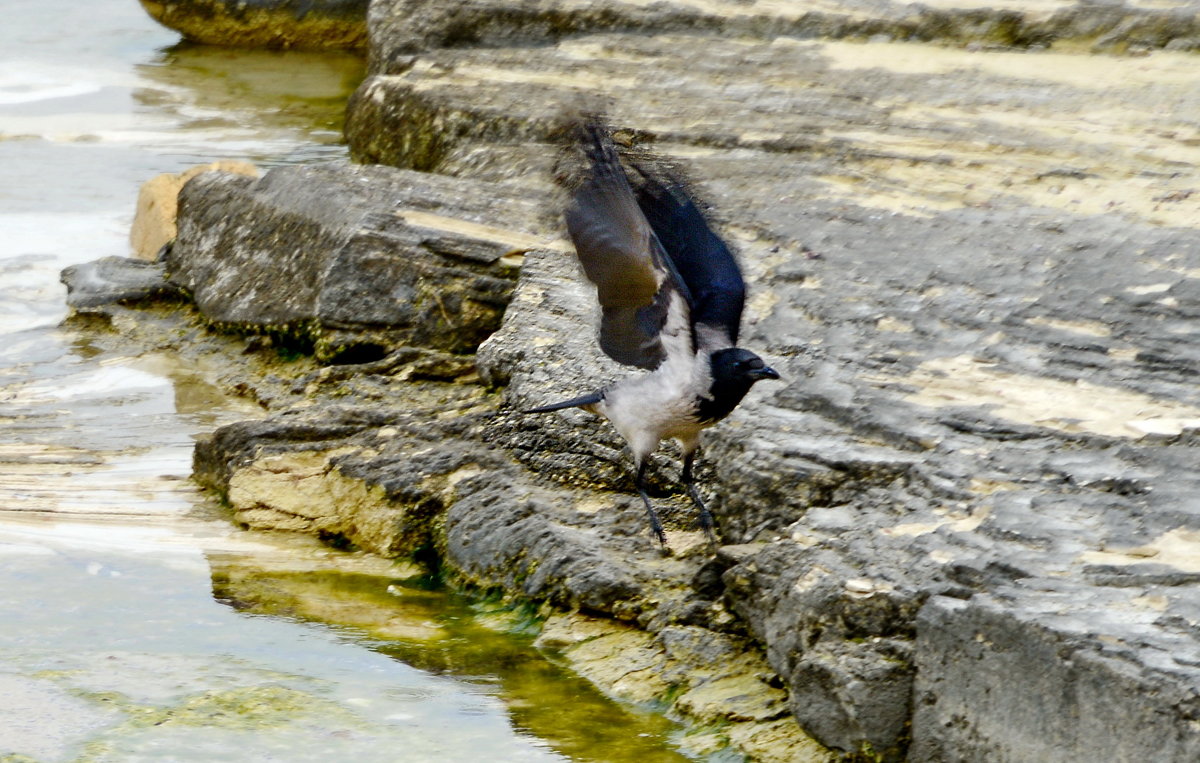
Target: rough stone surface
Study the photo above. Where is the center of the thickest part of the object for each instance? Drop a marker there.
(403, 27)
(980, 308)
(976, 129)
(719, 680)
(359, 260)
(311, 24)
(434, 481)
(158, 204)
(937, 438)
(863, 494)
(983, 660)
(113, 280)
(416, 478)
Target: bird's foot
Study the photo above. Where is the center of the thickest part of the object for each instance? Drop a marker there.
(657, 527)
(655, 524)
(706, 518)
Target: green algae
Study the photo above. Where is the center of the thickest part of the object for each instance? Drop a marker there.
(245, 708)
(248, 709)
(482, 641)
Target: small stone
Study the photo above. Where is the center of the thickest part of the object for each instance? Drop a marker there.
(158, 203)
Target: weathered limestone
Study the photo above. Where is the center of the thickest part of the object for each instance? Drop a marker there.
(980, 659)
(158, 205)
(966, 132)
(311, 24)
(325, 254)
(403, 27)
(862, 495)
(717, 679)
(981, 446)
(426, 478)
(972, 295)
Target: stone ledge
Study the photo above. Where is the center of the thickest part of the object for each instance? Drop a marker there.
(401, 28)
(321, 254)
(275, 24)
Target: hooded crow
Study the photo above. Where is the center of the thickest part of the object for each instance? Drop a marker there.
(671, 297)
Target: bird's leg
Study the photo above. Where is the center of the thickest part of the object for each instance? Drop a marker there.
(689, 481)
(655, 525)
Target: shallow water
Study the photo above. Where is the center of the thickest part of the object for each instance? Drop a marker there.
(133, 624)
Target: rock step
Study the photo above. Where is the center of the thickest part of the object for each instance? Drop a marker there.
(899, 127)
(976, 269)
(982, 394)
(356, 260)
(397, 482)
(911, 458)
(402, 27)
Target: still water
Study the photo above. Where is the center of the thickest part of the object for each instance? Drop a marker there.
(133, 624)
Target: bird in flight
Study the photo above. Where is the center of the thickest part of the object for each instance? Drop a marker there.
(671, 297)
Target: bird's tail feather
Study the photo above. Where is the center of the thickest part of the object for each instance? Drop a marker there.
(576, 402)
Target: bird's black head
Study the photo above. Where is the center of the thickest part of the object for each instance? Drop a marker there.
(734, 372)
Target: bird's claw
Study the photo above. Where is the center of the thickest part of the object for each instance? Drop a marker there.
(706, 518)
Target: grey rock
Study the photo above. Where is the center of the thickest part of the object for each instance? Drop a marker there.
(515, 538)
(440, 485)
(401, 28)
(981, 662)
(308, 24)
(856, 698)
(116, 280)
(358, 260)
(910, 454)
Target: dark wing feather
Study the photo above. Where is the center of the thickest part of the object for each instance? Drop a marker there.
(621, 256)
(709, 271)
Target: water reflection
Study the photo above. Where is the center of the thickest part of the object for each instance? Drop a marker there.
(444, 634)
(112, 651)
(255, 94)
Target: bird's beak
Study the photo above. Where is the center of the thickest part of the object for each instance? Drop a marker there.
(766, 372)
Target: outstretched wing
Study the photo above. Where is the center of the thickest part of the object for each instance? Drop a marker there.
(644, 304)
(709, 271)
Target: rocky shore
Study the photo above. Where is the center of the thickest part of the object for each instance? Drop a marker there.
(275, 24)
(967, 527)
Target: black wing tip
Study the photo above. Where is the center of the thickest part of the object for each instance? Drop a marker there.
(585, 145)
(589, 135)
(707, 267)
(576, 402)
(662, 185)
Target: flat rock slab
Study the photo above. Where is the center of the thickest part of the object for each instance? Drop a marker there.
(900, 127)
(399, 479)
(932, 439)
(402, 27)
(966, 527)
(982, 659)
(355, 260)
(937, 441)
(116, 280)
